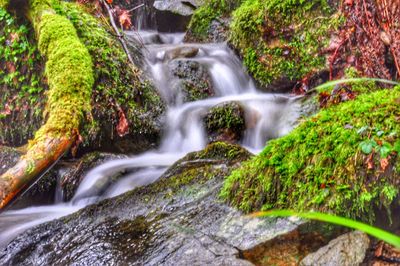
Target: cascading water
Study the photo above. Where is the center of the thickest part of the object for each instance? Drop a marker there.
(271, 116)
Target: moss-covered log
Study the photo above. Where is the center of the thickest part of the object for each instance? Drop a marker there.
(69, 72)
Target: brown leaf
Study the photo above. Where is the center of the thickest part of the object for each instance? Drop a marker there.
(74, 149)
(10, 67)
(125, 19)
(384, 163)
(7, 110)
(123, 125)
(370, 161)
(14, 36)
(323, 98)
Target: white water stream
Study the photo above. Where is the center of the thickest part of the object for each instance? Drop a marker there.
(268, 116)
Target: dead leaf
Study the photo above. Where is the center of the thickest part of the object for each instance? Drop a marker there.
(384, 163)
(123, 125)
(370, 161)
(125, 19)
(7, 110)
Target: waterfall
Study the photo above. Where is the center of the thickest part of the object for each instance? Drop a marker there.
(271, 116)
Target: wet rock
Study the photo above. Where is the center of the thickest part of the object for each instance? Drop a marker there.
(183, 8)
(281, 85)
(291, 247)
(191, 80)
(71, 174)
(177, 220)
(172, 15)
(181, 52)
(346, 250)
(225, 122)
(218, 31)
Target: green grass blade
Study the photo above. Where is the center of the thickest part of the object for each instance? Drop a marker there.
(341, 81)
(371, 230)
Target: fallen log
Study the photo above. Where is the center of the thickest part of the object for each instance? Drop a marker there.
(69, 72)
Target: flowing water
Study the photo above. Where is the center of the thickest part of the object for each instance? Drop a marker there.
(271, 116)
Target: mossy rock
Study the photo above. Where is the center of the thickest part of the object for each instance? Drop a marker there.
(283, 39)
(210, 22)
(191, 80)
(280, 41)
(225, 122)
(343, 160)
(157, 220)
(120, 89)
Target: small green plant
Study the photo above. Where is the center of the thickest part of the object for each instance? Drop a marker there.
(371, 230)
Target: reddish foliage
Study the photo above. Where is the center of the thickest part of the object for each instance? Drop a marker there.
(384, 163)
(125, 19)
(338, 95)
(123, 125)
(370, 161)
(369, 40)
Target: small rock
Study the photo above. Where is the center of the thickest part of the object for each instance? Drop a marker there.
(349, 249)
(181, 52)
(183, 8)
(191, 79)
(225, 122)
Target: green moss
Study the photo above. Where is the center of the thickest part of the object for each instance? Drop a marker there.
(282, 38)
(225, 116)
(332, 162)
(22, 80)
(3, 3)
(221, 150)
(68, 70)
(211, 10)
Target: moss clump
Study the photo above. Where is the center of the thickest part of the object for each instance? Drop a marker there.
(220, 151)
(3, 3)
(225, 118)
(22, 81)
(342, 160)
(282, 38)
(68, 69)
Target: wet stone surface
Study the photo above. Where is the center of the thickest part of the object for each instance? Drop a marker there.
(178, 219)
(191, 80)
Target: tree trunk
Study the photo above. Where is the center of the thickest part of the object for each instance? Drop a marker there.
(69, 73)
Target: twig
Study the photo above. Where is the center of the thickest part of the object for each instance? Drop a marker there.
(117, 31)
(136, 7)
